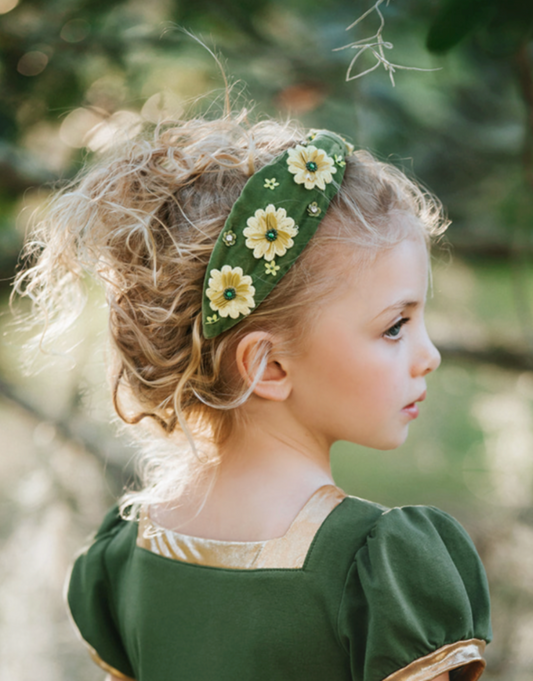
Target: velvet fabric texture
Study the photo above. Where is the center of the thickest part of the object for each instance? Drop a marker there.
(379, 590)
(272, 221)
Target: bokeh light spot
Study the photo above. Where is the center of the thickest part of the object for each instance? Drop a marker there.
(74, 31)
(163, 106)
(32, 63)
(122, 125)
(77, 125)
(7, 5)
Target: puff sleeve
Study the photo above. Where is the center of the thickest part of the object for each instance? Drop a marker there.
(90, 596)
(415, 602)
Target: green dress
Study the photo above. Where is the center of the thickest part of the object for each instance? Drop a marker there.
(353, 590)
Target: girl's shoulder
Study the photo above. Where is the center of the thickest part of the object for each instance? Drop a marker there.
(97, 568)
(362, 526)
(416, 593)
(402, 526)
(415, 554)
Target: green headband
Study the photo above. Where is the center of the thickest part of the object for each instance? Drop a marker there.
(270, 224)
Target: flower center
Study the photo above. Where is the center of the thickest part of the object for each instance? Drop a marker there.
(271, 234)
(229, 293)
(311, 166)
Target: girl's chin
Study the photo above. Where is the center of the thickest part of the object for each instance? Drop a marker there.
(392, 442)
(388, 438)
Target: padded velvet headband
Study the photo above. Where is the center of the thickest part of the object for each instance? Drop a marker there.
(270, 224)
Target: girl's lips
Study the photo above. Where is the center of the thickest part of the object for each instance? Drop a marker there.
(412, 410)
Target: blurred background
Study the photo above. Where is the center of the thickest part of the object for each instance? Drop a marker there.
(76, 75)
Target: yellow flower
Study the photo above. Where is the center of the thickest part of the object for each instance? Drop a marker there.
(230, 292)
(271, 184)
(310, 166)
(272, 268)
(269, 232)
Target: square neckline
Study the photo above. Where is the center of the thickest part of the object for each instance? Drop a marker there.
(287, 551)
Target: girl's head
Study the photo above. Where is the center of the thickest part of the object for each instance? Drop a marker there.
(144, 220)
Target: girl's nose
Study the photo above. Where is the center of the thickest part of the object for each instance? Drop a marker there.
(434, 358)
(428, 358)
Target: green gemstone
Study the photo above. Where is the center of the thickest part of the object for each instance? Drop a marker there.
(311, 166)
(230, 293)
(271, 235)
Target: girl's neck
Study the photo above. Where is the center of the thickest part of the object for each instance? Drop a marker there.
(266, 475)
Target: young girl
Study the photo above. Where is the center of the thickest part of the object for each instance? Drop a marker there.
(266, 293)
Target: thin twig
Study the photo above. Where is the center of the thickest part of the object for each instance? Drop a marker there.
(376, 45)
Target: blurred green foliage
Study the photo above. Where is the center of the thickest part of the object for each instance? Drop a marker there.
(501, 26)
(466, 125)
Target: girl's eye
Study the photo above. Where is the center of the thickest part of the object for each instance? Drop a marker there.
(394, 331)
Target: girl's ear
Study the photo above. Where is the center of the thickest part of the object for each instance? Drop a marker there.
(256, 352)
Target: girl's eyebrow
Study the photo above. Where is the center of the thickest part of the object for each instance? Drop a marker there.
(400, 305)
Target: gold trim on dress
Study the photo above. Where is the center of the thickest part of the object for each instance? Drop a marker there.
(106, 667)
(286, 552)
(467, 655)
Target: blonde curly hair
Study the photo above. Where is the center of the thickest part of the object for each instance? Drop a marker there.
(143, 220)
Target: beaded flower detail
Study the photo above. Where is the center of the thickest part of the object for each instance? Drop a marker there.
(230, 292)
(229, 238)
(269, 232)
(310, 166)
